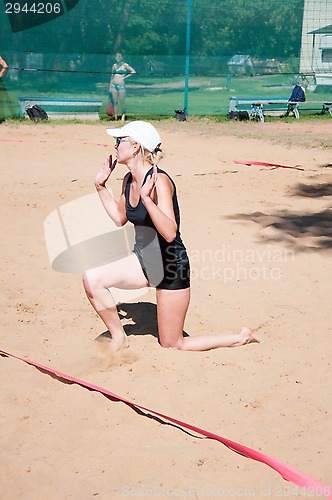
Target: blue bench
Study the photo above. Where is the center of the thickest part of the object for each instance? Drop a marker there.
(260, 107)
(68, 109)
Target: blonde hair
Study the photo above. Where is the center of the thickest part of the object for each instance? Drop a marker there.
(151, 157)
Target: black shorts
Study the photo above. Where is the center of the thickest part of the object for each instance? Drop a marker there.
(175, 277)
(178, 280)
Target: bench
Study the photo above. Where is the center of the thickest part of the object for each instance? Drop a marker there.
(258, 108)
(68, 109)
(323, 107)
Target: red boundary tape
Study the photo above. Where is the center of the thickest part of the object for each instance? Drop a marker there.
(96, 144)
(264, 164)
(11, 140)
(287, 472)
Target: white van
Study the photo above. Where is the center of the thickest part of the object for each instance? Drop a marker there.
(323, 63)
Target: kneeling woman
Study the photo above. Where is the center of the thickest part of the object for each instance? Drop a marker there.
(159, 257)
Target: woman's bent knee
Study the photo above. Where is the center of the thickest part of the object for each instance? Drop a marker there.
(86, 283)
(91, 282)
(172, 344)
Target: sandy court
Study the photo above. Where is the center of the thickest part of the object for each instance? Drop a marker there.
(260, 243)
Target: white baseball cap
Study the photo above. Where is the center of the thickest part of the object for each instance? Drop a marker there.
(142, 132)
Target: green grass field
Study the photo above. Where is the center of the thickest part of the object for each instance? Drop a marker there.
(208, 95)
(157, 96)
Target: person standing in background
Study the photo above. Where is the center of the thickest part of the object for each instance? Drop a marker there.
(4, 67)
(120, 71)
(4, 97)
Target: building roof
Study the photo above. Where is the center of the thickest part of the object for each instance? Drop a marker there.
(322, 31)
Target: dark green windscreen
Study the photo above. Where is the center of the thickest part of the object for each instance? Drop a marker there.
(66, 49)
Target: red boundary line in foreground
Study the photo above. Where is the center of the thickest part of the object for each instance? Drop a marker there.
(283, 469)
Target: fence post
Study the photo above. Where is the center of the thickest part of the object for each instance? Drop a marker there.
(186, 86)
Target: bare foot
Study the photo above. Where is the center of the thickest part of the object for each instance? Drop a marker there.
(108, 356)
(247, 336)
(118, 344)
(123, 118)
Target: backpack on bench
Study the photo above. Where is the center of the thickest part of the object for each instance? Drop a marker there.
(298, 94)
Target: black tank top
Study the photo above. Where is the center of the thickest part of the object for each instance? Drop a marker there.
(160, 260)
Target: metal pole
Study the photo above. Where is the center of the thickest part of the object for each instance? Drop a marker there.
(313, 54)
(186, 86)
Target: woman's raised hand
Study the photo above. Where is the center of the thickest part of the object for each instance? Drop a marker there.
(148, 187)
(105, 171)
